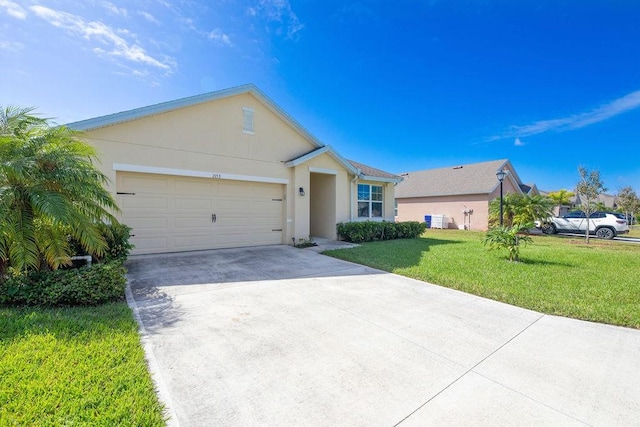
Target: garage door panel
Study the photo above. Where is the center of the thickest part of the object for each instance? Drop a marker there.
(144, 203)
(175, 213)
(192, 203)
(193, 186)
(157, 184)
(226, 204)
(242, 239)
(192, 241)
(150, 245)
(193, 223)
(147, 222)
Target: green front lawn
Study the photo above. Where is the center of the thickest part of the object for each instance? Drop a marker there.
(74, 366)
(557, 275)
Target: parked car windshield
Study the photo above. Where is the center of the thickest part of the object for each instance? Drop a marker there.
(575, 214)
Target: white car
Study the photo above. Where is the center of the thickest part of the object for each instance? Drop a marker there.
(605, 225)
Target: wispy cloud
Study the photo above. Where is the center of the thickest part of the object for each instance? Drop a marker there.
(355, 12)
(279, 12)
(621, 105)
(116, 45)
(219, 36)
(11, 46)
(13, 9)
(518, 142)
(114, 10)
(149, 17)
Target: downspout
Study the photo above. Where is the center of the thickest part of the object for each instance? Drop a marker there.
(353, 182)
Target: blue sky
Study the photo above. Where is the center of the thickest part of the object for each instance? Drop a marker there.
(400, 85)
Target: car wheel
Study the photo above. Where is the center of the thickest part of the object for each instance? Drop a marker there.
(549, 229)
(605, 233)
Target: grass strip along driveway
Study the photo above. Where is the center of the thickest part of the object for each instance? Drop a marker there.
(74, 366)
(557, 275)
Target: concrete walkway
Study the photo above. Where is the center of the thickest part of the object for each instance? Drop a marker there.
(284, 336)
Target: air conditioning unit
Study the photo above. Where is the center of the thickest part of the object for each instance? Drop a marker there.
(439, 221)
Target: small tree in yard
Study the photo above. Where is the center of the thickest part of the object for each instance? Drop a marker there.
(628, 202)
(589, 188)
(508, 238)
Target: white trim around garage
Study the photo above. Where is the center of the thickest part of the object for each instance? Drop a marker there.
(123, 167)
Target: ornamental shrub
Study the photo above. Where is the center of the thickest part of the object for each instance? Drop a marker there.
(116, 236)
(368, 231)
(93, 285)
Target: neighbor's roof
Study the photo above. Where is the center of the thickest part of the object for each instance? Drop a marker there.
(164, 107)
(476, 178)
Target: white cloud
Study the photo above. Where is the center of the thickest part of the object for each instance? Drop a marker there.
(11, 46)
(13, 9)
(518, 142)
(219, 36)
(115, 10)
(149, 17)
(102, 33)
(621, 105)
(279, 11)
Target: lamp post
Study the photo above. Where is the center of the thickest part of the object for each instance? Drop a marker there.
(501, 174)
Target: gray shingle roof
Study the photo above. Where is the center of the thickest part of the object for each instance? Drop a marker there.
(476, 178)
(371, 171)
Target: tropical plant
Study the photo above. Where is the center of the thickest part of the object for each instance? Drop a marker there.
(520, 209)
(50, 192)
(561, 198)
(510, 202)
(531, 209)
(589, 187)
(508, 238)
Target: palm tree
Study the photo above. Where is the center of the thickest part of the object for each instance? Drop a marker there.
(520, 209)
(510, 203)
(50, 192)
(533, 208)
(561, 198)
(508, 238)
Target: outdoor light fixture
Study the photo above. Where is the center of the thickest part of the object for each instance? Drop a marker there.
(301, 191)
(501, 174)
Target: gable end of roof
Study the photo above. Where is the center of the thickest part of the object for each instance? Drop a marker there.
(164, 107)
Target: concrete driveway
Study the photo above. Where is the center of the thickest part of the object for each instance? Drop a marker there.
(283, 336)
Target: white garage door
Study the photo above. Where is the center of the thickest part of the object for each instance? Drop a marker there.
(173, 214)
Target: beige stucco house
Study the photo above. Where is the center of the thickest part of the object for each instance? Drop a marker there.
(460, 193)
(229, 169)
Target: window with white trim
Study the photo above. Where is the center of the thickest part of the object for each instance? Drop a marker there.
(370, 201)
(247, 120)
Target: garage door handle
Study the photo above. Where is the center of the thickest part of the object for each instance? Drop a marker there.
(213, 218)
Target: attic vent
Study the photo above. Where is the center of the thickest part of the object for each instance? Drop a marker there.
(247, 120)
(457, 167)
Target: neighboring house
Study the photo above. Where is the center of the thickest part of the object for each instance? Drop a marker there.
(607, 200)
(228, 169)
(460, 193)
